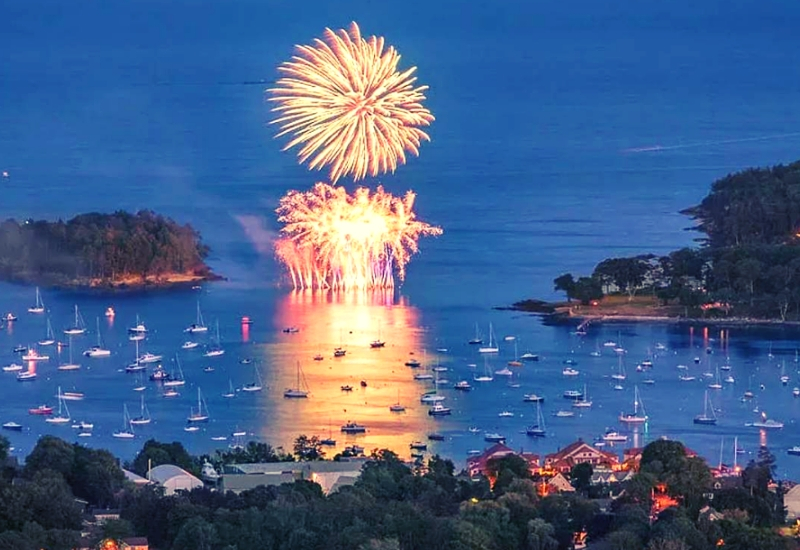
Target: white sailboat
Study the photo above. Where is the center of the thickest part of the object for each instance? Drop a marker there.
(63, 411)
(636, 417)
(477, 340)
(71, 365)
(98, 350)
(297, 391)
(583, 402)
(254, 386)
(139, 383)
(231, 393)
(378, 343)
(491, 347)
(50, 337)
(127, 430)
(38, 307)
(706, 418)
(215, 350)
(172, 380)
(138, 329)
(516, 362)
(144, 415)
(78, 327)
(487, 373)
(620, 374)
(716, 385)
(198, 325)
(136, 366)
(201, 414)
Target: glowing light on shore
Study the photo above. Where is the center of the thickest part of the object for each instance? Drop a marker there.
(332, 239)
(347, 106)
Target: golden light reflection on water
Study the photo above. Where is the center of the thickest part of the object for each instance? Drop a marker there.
(327, 320)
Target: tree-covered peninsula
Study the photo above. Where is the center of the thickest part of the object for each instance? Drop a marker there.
(103, 251)
(746, 267)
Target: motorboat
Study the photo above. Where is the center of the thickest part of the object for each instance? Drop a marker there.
(84, 426)
(532, 398)
(33, 355)
(339, 352)
(529, 357)
(570, 372)
(139, 328)
(20, 349)
(246, 320)
(615, 437)
(26, 376)
(148, 358)
(10, 317)
(353, 428)
(431, 397)
(97, 351)
(72, 396)
(492, 437)
(435, 437)
(573, 394)
(13, 367)
(189, 345)
(506, 414)
(564, 414)
(439, 410)
(13, 426)
(291, 330)
(463, 385)
(418, 446)
(413, 363)
(504, 372)
(346, 388)
(397, 408)
(41, 410)
(793, 451)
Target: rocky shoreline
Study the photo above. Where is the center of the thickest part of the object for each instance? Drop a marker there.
(165, 281)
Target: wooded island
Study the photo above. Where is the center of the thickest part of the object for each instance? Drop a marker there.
(119, 250)
(746, 268)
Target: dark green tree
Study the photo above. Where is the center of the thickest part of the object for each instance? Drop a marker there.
(565, 283)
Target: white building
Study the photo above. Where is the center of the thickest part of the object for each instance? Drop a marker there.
(173, 478)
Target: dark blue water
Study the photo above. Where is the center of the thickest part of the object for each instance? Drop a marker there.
(107, 105)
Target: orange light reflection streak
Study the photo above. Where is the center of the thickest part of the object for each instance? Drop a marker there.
(352, 320)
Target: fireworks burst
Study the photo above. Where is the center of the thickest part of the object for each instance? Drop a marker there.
(335, 240)
(347, 106)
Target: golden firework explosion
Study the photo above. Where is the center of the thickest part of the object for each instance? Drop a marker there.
(348, 107)
(332, 239)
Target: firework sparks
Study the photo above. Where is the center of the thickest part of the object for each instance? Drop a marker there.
(347, 106)
(332, 239)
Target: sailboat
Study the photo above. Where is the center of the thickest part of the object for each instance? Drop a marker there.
(70, 365)
(716, 385)
(491, 347)
(784, 379)
(377, 343)
(98, 350)
(38, 307)
(477, 340)
(139, 385)
(63, 411)
(144, 415)
(516, 362)
(620, 374)
(706, 418)
(231, 392)
(487, 373)
(538, 429)
(201, 414)
(582, 402)
(215, 350)
(173, 380)
(50, 337)
(198, 325)
(127, 430)
(635, 417)
(297, 392)
(397, 407)
(79, 327)
(136, 366)
(138, 329)
(253, 386)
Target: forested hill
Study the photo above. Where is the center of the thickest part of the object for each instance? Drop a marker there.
(102, 250)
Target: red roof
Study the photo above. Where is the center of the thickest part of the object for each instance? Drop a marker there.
(570, 449)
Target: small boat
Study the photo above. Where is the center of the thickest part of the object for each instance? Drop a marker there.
(138, 328)
(41, 410)
(159, 374)
(573, 394)
(13, 367)
(291, 330)
(98, 350)
(397, 408)
(418, 446)
(491, 347)
(796, 392)
(85, 426)
(33, 355)
(328, 442)
(748, 395)
(423, 376)
(730, 380)
(137, 337)
(148, 358)
(793, 451)
(431, 397)
(661, 347)
(353, 428)
(725, 368)
(439, 410)
(144, 416)
(10, 317)
(570, 362)
(610, 344)
(110, 312)
(346, 388)
(463, 385)
(246, 361)
(208, 369)
(246, 320)
(635, 417)
(26, 376)
(38, 307)
(318, 357)
(532, 398)
(492, 437)
(687, 378)
(564, 414)
(62, 417)
(506, 414)
(504, 372)
(413, 363)
(648, 381)
(435, 437)
(615, 437)
(191, 428)
(13, 426)
(230, 393)
(377, 344)
(72, 396)
(219, 438)
(765, 423)
(570, 372)
(529, 357)
(201, 414)
(339, 352)
(189, 345)
(171, 392)
(20, 349)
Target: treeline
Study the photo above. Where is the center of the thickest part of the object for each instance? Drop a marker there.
(747, 266)
(393, 507)
(104, 247)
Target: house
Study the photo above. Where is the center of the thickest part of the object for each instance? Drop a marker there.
(478, 465)
(792, 502)
(133, 543)
(578, 452)
(558, 484)
(330, 475)
(605, 476)
(101, 515)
